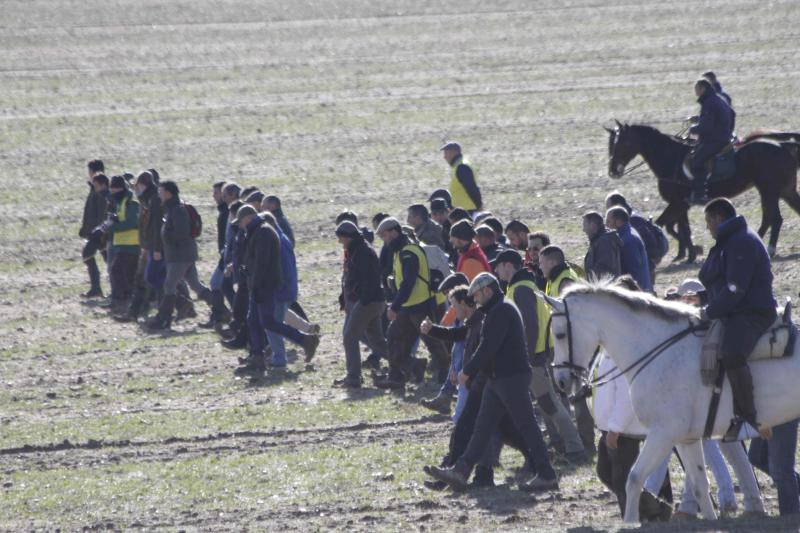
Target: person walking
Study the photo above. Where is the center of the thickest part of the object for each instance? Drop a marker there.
(603, 259)
(94, 213)
(634, 259)
(463, 188)
(124, 237)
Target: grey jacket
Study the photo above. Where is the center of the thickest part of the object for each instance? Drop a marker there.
(604, 255)
(176, 233)
(430, 233)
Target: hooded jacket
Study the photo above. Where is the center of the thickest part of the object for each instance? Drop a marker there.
(262, 257)
(176, 233)
(361, 275)
(94, 211)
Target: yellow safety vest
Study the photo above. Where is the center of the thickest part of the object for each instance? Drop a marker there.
(129, 237)
(553, 288)
(542, 312)
(421, 292)
(458, 192)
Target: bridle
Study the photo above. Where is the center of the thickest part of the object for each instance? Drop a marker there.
(582, 373)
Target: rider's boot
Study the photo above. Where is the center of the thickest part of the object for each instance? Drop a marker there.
(744, 406)
(699, 195)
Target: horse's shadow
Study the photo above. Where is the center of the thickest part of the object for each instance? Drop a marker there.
(784, 258)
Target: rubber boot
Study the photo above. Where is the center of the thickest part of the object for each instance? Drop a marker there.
(135, 309)
(484, 477)
(185, 307)
(163, 318)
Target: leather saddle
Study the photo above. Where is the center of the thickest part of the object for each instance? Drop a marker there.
(721, 167)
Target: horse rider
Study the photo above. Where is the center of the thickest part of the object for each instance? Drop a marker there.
(738, 278)
(714, 130)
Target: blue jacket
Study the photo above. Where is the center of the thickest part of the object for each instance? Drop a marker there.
(634, 257)
(287, 292)
(737, 273)
(716, 119)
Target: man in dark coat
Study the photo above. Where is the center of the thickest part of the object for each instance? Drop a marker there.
(179, 252)
(737, 275)
(272, 204)
(94, 213)
(714, 131)
(264, 272)
(645, 229)
(219, 312)
(363, 301)
(605, 248)
(502, 357)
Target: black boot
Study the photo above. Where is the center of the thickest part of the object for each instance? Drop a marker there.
(744, 407)
(456, 476)
(699, 196)
(185, 307)
(239, 342)
(163, 318)
(135, 309)
(484, 477)
(94, 279)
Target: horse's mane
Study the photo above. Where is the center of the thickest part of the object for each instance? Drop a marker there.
(655, 131)
(637, 301)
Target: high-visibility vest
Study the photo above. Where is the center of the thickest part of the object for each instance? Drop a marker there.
(129, 237)
(542, 312)
(458, 192)
(421, 292)
(553, 288)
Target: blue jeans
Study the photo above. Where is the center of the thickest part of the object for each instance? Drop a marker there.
(777, 458)
(265, 319)
(276, 340)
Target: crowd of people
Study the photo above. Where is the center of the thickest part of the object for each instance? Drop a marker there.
(465, 284)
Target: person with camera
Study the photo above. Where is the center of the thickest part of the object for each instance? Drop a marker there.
(94, 212)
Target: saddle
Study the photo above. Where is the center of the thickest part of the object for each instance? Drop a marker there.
(778, 341)
(721, 167)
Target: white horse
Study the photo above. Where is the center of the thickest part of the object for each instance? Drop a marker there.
(668, 395)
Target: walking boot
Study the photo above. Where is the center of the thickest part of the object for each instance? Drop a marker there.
(94, 279)
(134, 310)
(254, 368)
(440, 404)
(539, 484)
(483, 478)
(239, 341)
(651, 509)
(310, 344)
(163, 318)
(185, 308)
(394, 380)
(455, 476)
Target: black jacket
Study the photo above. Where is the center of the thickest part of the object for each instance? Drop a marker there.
(145, 213)
(222, 225)
(469, 332)
(361, 278)
(176, 233)
(604, 255)
(283, 223)
(502, 351)
(262, 257)
(155, 219)
(525, 300)
(94, 212)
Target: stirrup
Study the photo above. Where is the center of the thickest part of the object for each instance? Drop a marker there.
(732, 435)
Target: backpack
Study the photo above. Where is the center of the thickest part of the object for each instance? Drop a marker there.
(195, 221)
(438, 265)
(655, 240)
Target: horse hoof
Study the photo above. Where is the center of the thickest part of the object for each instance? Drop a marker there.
(772, 250)
(690, 261)
(678, 258)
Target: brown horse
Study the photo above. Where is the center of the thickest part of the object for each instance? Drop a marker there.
(769, 163)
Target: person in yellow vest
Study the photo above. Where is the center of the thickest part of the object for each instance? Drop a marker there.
(560, 275)
(123, 233)
(463, 184)
(413, 302)
(522, 291)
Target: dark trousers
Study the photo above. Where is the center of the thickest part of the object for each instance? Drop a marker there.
(241, 303)
(701, 154)
(508, 396)
(122, 274)
(261, 317)
(465, 426)
(776, 457)
(91, 248)
(613, 466)
(401, 335)
(740, 336)
(362, 321)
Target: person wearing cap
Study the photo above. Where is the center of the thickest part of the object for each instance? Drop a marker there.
(180, 254)
(463, 188)
(265, 272)
(94, 212)
(146, 193)
(605, 248)
(426, 230)
(522, 290)
(487, 241)
(272, 204)
(560, 275)
(471, 259)
(444, 194)
(124, 238)
(363, 300)
(413, 302)
(502, 357)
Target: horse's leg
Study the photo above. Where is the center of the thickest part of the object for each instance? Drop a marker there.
(694, 465)
(668, 221)
(685, 232)
(770, 218)
(656, 448)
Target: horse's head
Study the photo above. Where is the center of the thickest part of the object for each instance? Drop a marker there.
(574, 346)
(622, 148)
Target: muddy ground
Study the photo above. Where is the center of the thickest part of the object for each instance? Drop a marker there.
(330, 105)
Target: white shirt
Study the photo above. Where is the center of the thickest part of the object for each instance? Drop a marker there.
(613, 409)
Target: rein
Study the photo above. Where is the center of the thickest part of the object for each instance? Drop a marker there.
(642, 362)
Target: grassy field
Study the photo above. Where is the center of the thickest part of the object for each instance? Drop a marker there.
(330, 105)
